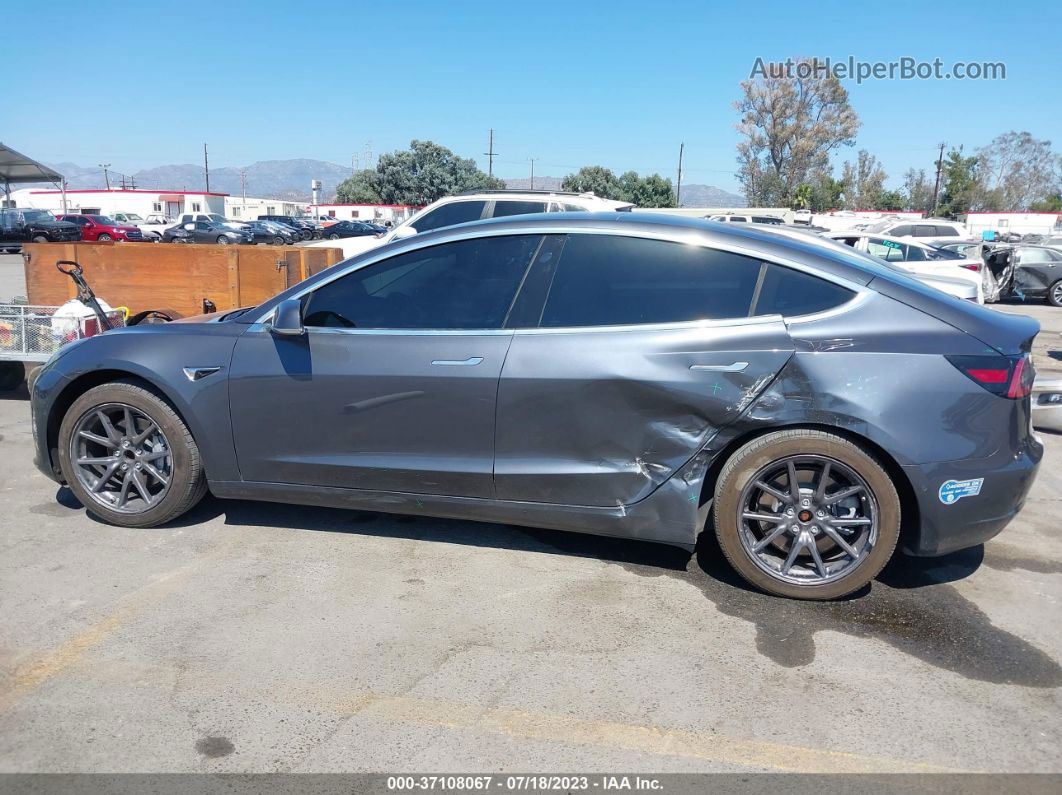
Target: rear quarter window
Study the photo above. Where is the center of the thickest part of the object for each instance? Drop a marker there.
(790, 293)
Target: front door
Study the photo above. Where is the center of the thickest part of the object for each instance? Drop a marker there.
(393, 385)
(643, 350)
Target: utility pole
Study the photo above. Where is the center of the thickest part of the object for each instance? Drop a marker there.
(532, 160)
(936, 185)
(353, 165)
(678, 188)
(490, 154)
(243, 185)
(206, 168)
(106, 176)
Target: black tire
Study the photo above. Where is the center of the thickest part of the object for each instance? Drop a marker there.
(31, 375)
(187, 478)
(278, 241)
(40, 238)
(751, 459)
(222, 240)
(333, 236)
(104, 238)
(12, 374)
(1054, 294)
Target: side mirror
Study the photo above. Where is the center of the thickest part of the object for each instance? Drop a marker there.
(403, 232)
(287, 318)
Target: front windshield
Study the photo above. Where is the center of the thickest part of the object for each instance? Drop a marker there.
(106, 220)
(133, 217)
(38, 215)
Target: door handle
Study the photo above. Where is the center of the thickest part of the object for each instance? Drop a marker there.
(471, 361)
(734, 367)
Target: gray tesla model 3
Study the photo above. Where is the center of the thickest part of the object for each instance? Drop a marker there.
(627, 375)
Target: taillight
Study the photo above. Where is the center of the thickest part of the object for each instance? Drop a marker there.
(1006, 376)
(972, 266)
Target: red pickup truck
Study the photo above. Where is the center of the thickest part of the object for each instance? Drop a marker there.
(103, 228)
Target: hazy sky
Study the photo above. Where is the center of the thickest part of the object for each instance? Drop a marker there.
(614, 83)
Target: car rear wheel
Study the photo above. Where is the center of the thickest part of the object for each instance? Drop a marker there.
(333, 236)
(40, 239)
(1054, 294)
(806, 514)
(104, 238)
(128, 457)
(278, 241)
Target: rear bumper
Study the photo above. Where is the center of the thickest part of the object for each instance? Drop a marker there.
(971, 520)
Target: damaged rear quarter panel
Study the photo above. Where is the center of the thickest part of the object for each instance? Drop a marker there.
(603, 417)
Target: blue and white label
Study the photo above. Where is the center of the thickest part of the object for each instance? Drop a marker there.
(951, 491)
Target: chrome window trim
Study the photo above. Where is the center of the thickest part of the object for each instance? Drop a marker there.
(255, 328)
(687, 236)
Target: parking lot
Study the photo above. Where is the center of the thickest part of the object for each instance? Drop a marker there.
(259, 637)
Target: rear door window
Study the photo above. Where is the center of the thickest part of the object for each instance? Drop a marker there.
(946, 231)
(505, 207)
(612, 280)
(924, 230)
(450, 214)
(902, 231)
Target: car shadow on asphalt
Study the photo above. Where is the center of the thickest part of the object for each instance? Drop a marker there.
(912, 605)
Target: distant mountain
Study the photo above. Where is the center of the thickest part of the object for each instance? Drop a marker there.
(710, 196)
(270, 179)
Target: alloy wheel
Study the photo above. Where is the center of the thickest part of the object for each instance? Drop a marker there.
(121, 457)
(807, 519)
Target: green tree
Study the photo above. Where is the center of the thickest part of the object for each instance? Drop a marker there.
(790, 125)
(598, 179)
(419, 175)
(651, 191)
(1052, 204)
(891, 200)
(962, 187)
(917, 191)
(1017, 170)
(802, 196)
(358, 189)
(863, 182)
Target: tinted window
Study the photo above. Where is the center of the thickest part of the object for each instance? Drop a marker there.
(450, 214)
(946, 231)
(788, 292)
(502, 208)
(468, 284)
(888, 250)
(914, 254)
(573, 208)
(604, 280)
(902, 231)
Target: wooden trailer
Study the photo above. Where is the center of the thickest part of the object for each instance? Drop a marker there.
(180, 277)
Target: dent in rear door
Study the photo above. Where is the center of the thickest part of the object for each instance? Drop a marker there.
(602, 417)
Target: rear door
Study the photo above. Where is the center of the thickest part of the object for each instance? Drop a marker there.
(631, 354)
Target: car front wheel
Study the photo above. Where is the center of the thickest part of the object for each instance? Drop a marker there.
(806, 514)
(128, 457)
(105, 238)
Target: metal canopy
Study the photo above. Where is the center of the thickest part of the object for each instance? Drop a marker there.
(16, 167)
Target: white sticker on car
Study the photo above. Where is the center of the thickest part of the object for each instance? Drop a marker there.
(952, 491)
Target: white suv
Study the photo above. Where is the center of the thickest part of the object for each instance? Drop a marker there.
(477, 205)
(923, 227)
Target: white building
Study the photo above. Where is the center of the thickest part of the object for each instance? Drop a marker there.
(1019, 223)
(395, 213)
(238, 208)
(106, 202)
